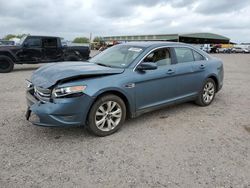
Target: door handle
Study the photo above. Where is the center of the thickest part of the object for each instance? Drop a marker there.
(202, 66)
(170, 71)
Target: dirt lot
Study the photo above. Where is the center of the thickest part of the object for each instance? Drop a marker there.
(180, 146)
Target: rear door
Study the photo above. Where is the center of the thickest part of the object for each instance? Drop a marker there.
(52, 50)
(188, 72)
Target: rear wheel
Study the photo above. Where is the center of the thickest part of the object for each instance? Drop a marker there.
(106, 115)
(6, 64)
(207, 94)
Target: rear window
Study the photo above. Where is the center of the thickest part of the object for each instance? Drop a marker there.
(50, 43)
(198, 57)
(184, 55)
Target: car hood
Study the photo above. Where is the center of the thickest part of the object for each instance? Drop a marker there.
(8, 47)
(50, 74)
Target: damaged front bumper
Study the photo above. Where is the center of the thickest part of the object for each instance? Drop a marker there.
(63, 112)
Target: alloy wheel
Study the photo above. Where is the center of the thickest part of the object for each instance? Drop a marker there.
(208, 92)
(108, 115)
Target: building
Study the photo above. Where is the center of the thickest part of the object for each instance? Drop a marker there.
(193, 38)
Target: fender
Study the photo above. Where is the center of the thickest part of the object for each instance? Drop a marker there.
(78, 52)
(215, 78)
(9, 54)
(127, 96)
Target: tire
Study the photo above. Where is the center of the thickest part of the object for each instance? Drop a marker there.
(101, 122)
(72, 58)
(207, 93)
(6, 64)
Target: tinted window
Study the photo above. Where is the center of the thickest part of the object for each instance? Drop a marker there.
(33, 42)
(50, 43)
(198, 57)
(160, 56)
(184, 55)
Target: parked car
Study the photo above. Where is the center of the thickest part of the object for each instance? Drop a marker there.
(215, 48)
(39, 49)
(6, 42)
(240, 50)
(123, 81)
(206, 48)
(224, 50)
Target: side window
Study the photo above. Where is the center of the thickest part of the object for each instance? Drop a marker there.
(50, 43)
(161, 57)
(33, 42)
(184, 55)
(198, 57)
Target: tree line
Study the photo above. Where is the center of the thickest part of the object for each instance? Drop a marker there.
(85, 40)
(10, 36)
(76, 40)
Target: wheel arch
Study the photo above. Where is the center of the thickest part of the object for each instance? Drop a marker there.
(72, 58)
(122, 95)
(9, 55)
(72, 53)
(215, 79)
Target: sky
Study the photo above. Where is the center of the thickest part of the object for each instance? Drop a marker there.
(77, 18)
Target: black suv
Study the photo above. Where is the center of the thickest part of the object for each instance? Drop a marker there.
(40, 49)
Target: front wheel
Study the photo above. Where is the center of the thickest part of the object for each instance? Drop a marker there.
(6, 64)
(207, 94)
(106, 115)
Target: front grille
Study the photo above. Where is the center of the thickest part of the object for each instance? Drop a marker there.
(42, 94)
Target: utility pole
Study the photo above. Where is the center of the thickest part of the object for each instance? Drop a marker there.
(90, 38)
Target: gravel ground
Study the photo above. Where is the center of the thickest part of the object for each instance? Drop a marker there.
(179, 146)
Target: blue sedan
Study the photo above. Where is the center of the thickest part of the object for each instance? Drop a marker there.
(121, 82)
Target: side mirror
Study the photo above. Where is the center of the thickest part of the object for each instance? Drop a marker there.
(147, 66)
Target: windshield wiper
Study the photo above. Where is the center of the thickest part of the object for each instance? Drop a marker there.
(103, 65)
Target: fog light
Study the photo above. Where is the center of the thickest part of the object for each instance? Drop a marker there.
(34, 118)
(67, 118)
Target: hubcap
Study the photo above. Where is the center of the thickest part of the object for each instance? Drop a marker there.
(208, 92)
(108, 116)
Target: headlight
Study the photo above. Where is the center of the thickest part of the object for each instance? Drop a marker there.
(68, 91)
(28, 83)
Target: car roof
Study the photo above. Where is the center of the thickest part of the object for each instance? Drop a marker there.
(154, 44)
(40, 36)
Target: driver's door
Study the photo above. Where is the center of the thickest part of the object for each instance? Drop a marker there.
(31, 51)
(156, 87)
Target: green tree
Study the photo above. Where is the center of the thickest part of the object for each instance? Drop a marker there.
(81, 40)
(9, 36)
(97, 39)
